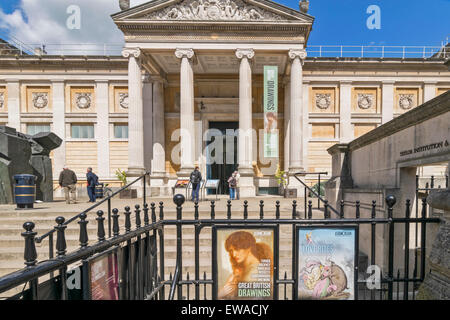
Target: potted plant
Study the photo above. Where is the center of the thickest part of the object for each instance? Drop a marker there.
(127, 193)
(282, 181)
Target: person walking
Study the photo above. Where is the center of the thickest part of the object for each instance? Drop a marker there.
(232, 184)
(196, 178)
(92, 181)
(68, 181)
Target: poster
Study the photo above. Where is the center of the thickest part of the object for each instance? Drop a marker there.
(104, 277)
(326, 262)
(244, 263)
(212, 184)
(182, 183)
(271, 111)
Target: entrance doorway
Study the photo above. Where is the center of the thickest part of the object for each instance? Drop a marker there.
(221, 150)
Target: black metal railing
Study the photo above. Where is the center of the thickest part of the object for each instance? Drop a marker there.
(108, 199)
(326, 206)
(142, 270)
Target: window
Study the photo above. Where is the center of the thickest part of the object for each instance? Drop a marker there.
(85, 131)
(120, 131)
(33, 129)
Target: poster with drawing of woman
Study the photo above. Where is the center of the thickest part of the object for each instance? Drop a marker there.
(244, 263)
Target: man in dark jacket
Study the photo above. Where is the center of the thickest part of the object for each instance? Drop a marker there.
(196, 178)
(92, 181)
(68, 181)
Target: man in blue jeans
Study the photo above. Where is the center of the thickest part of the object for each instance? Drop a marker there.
(196, 178)
(92, 181)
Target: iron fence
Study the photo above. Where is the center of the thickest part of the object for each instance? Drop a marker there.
(15, 47)
(142, 251)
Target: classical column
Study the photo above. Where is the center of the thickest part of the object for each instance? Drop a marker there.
(59, 126)
(102, 107)
(429, 91)
(287, 123)
(296, 111)
(306, 136)
(187, 127)
(245, 139)
(147, 97)
(158, 177)
(345, 112)
(135, 114)
(13, 89)
(387, 104)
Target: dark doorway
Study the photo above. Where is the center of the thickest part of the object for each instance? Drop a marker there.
(225, 133)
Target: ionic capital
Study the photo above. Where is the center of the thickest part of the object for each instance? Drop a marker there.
(294, 53)
(127, 52)
(247, 53)
(184, 53)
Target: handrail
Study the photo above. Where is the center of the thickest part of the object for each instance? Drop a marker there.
(174, 282)
(314, 193)
(39, 239)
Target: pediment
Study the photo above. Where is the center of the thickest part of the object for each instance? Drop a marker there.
(213, 10)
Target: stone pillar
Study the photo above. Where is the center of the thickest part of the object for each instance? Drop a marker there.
(135, 114)
(345, 112)
(429, 91)
(387, 105)
(306, 136)
(59, 127)
(245, 138)
(296, 164)
(287, 123)
(187, 125)
(436, 285)
(341, 176)
(147, 97)
(13, 88)
(159, 177)
(102, 107)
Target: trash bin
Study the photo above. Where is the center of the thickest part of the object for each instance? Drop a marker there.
(99, 191)
(24, 190)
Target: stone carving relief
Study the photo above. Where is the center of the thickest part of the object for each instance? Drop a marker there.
(406, 101)
(365, 101)
(213, 10)
(2, 100)
(323, 100)
(40, 99)
(83, 100)
(123, 100)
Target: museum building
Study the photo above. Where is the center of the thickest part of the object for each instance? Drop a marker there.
(194, 69)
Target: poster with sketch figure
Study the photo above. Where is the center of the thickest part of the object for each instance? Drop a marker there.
(244, 263)
(326, 263)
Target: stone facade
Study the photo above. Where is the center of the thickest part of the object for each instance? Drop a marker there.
(172, 78)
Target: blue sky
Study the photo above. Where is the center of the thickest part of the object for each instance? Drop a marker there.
(337, 22)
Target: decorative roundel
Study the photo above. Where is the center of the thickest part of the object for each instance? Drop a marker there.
(323, 101)
(406, 101)
(2, 100)
(83, 100)
(123, 100)
(40, 99)
(365, 101)
(213, 12)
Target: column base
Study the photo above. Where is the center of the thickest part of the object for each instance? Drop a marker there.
(293, 183)
(135, 172)
(185, 172)
(159, 185)
(247, 187)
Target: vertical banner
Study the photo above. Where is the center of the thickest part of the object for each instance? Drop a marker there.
(104, 276)
(243, 267)
(270, 111)
(326, 260)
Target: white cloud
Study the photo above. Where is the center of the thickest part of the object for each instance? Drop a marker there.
(45, 22)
